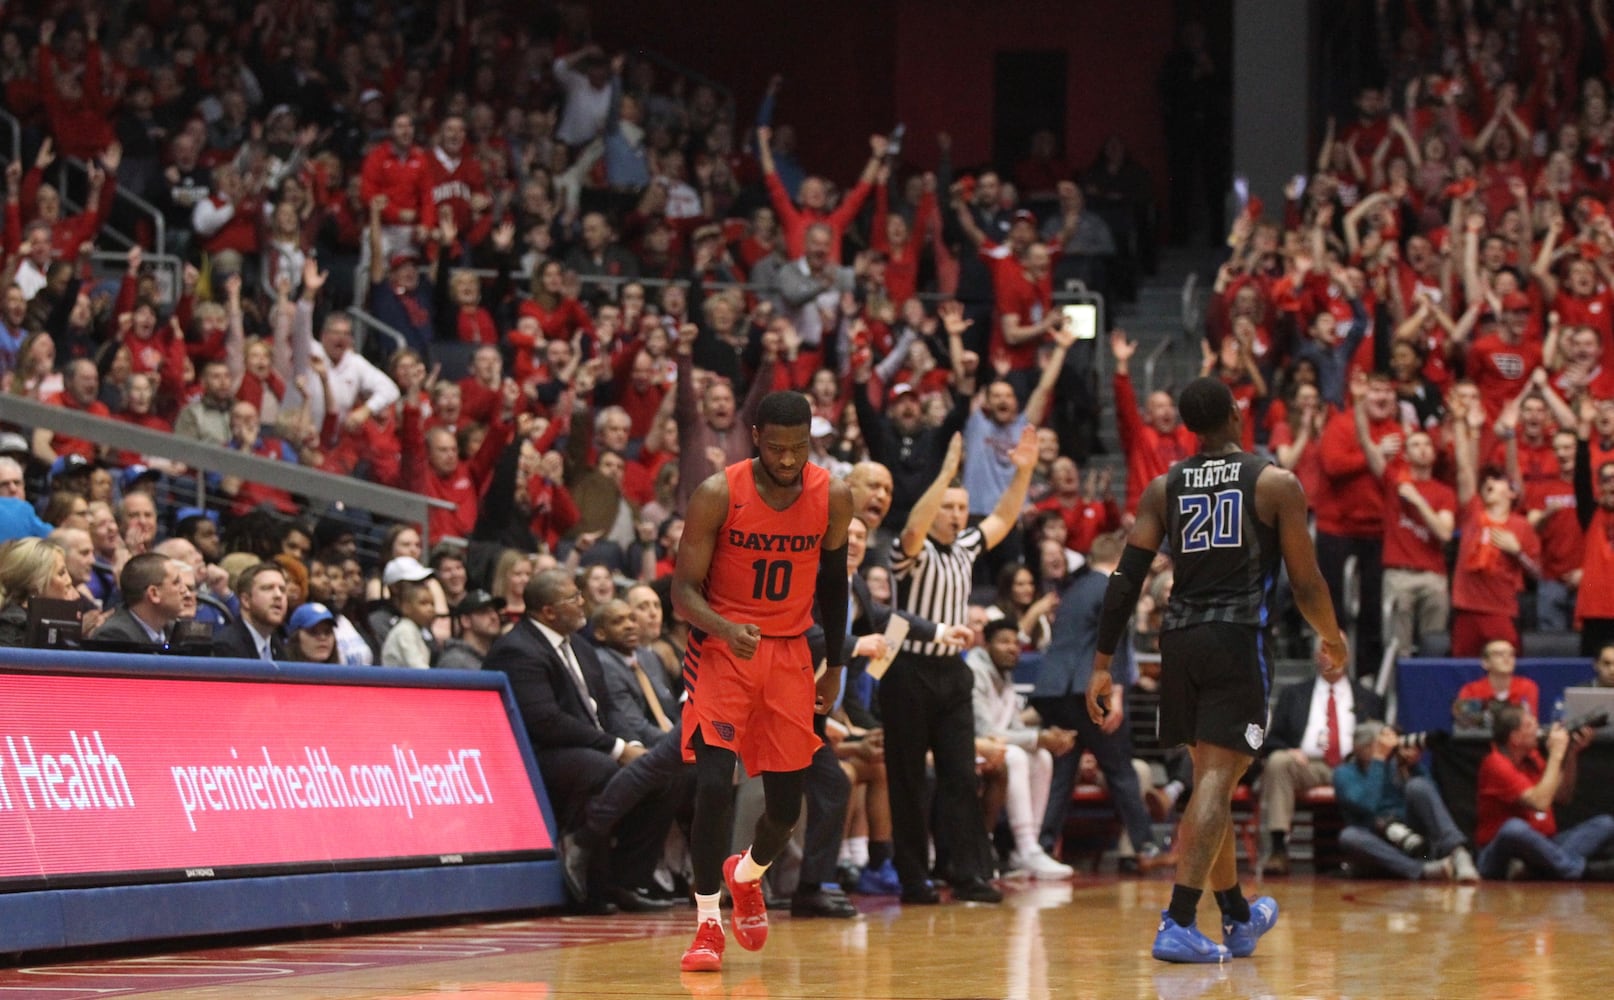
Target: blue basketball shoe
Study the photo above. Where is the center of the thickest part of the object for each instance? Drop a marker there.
(1241, 936)
(1175, 943)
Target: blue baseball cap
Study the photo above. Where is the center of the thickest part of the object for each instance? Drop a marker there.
(184, 514)
(308, 615)
(66, 465)
(19, 520)
(135, 473)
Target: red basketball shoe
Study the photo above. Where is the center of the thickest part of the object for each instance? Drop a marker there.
(750, 909)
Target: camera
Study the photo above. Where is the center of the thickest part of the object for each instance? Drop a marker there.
(1595, 719)
(1404, 837)
(1413, 741)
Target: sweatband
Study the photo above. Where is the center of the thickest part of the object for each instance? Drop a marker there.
(1121, 597)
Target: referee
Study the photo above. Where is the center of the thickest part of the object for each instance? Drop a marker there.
(926, 696)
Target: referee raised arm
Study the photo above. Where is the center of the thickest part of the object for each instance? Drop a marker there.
(926, 695)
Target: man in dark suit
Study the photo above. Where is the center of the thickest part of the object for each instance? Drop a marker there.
(644, 707)
(1309, 734)
(560, 691)
(154, 587)
(1060, 698)
(261, 589)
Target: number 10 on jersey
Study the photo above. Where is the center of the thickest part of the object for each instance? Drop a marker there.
(1214, 521)
(773, 580)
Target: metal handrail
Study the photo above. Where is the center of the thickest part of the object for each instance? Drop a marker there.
(61, 187)
(159, 223)
(1193, 313)
(159, 227)
(1153, 360)
(171, 281)
(1384, 682)
(694, 76)
(385, 501)
(607, 280)
(107, 229)
(369, 322)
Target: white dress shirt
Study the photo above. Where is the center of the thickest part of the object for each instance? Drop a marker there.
(1315, 742)
(353, 381)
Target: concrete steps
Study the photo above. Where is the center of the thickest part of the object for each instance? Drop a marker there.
(1156, 318)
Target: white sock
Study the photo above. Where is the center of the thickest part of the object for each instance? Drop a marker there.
(857, 851)
(748, 870)
(1173, 790)
(706, 908)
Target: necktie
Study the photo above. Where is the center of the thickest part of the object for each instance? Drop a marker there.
(572, 667)
(662, 722)
(1331, 751)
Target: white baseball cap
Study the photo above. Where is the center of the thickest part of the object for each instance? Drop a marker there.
(404, 568)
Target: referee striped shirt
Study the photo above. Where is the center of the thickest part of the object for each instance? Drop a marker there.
(935, 584)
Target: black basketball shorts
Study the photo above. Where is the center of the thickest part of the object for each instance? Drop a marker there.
(1214, 682)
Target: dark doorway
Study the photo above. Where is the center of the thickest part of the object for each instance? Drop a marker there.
(1028, 94)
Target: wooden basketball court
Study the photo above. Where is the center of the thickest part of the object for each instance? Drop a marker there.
(1335, 938)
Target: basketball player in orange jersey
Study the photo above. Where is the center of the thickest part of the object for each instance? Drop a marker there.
(761, 540)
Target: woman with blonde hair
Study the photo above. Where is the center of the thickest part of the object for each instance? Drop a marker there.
(554, 304)
(463, 316)
(36, 375)
(29, 568)
(510, 576)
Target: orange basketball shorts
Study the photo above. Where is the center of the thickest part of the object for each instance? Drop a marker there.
(761, 708)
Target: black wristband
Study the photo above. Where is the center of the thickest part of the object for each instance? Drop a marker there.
(1121, 598)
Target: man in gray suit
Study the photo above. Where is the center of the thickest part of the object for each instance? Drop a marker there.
(1060, 698)
(644, 707)
(153, 585)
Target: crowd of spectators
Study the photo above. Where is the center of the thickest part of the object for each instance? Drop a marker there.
(1420, 333)
(594, 272)
(542, 229)
(585, 271)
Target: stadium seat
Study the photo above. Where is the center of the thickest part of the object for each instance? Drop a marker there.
(1549, 644)
(1435, 644)
(455, 358)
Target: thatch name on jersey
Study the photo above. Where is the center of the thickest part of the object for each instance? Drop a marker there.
(1213, 474)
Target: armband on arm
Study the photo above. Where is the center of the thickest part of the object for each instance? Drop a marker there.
(1121, 598)
(832, 591)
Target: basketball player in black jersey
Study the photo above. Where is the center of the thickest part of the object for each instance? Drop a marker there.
(1226, 517)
